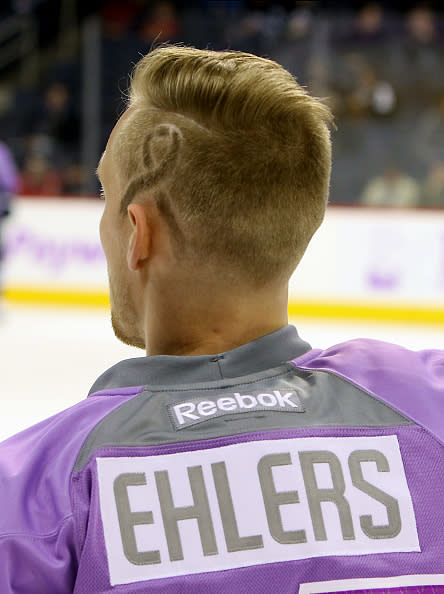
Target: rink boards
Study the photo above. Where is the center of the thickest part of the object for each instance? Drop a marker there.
(375, 264)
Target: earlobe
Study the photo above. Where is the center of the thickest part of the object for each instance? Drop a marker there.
(138, 244)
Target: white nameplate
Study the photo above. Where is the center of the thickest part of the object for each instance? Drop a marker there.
(253, 503)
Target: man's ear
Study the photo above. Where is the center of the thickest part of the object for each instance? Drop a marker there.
(140, 238)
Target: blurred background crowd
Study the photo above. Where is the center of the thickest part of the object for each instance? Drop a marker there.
(380, 66)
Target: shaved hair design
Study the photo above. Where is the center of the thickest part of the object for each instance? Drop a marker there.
(236, 154)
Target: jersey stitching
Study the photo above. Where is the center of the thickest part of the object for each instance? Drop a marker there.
(196, 388)
(215, 442)
(38, 536)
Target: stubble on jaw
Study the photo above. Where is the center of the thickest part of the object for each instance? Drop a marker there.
(124, 320)
(124, 336)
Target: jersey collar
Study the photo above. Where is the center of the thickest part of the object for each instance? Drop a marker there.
(263, 353)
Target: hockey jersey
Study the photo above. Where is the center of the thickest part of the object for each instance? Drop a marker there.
(271, 468)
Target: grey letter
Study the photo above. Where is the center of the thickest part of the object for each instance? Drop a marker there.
(315, 495)
(225, 500)
(172, 515)
(273, 499)
(393, 528)
(129, 519)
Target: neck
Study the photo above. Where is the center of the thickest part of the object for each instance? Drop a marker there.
(203, 324)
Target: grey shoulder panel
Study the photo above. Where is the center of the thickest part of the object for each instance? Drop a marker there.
(263, 401)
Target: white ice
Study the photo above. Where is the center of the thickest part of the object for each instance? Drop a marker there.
(50, 357)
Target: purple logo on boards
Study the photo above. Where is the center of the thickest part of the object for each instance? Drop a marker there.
(384, 267)
(54, 254)
(383, 281)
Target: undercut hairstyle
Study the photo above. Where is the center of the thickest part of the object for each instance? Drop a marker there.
(236, 154)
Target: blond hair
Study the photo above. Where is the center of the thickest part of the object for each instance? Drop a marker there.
(236, 153)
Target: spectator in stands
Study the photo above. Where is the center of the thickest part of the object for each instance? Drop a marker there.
(162, 23)
(117, 17)
(60, 123)
(428, 135)
(8, 115)
(422, 56)
(73, 179)
(433, 188)
(371, 95)
(369, 26)
(367, 32)
(422, 29)
(293, 42)
(39, 178)
(392, 188)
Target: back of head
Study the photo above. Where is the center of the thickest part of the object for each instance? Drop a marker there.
(236, 154)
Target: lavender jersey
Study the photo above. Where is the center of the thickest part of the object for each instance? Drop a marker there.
(8, 172)
(273, 467)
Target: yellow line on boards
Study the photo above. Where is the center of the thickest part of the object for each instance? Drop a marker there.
(414, 314)
(55, 297)
(408, 314)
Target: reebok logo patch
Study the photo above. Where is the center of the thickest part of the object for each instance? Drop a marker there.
(199, 409)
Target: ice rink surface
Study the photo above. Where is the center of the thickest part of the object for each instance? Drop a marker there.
(50, 357)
